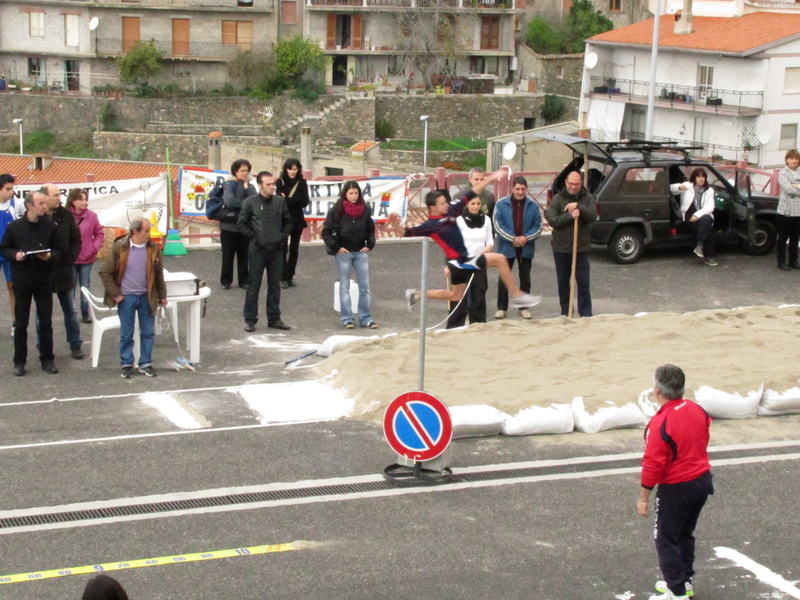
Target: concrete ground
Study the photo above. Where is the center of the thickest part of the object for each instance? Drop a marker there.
(85, 436)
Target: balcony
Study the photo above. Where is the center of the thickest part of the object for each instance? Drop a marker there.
(210, 51)
(681, 97)
(199, 5)
(460, 4)
(707, 150)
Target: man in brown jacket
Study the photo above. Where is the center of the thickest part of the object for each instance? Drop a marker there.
(133, 276)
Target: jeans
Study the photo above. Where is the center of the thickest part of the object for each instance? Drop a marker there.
(70, 321)
(25, 293)
(358, 262)
(563, 261)
(82, 273)
(234, 245)
(703, 230)
(524, 269)
(131, 306)
(291, 251)
(260, 259)
(788, 233)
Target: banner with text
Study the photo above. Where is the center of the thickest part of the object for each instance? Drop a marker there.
(117, 202)
(384, 194)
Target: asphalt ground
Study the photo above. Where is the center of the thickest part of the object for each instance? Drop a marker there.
(561, 537)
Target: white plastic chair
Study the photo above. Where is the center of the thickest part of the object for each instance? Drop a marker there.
(101, 324)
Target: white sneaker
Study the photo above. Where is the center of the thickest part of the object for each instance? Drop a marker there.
(668, 596)
(411, 298)
(698, 250)
(524, 313)
(661, 586)
(524, 301)
(500, 314)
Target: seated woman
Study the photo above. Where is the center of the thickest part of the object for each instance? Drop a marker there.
(697, 211)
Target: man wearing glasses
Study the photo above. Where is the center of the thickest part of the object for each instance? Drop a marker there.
(573, 202)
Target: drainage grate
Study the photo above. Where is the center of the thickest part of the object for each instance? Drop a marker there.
(343, 489)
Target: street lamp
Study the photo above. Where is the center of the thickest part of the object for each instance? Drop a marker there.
(423, 118)
(19, 122)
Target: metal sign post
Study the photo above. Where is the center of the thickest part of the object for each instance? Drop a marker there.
(422, 306)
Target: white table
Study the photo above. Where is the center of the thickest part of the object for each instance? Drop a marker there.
(192, 320)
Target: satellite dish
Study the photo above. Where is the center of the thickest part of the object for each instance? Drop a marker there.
(93, 23)
(764, 136)
(590, 60)
(509, 150)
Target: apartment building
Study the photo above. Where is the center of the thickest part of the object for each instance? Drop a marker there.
(70, 45)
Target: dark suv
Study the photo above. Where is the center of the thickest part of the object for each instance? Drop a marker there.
(630, 181)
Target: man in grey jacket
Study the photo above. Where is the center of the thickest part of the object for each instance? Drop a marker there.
(266, 222)
(571, 203)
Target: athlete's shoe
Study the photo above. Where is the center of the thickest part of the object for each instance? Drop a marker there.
(500, 314)
(668, 595)
(661, 586)
(524, 313)
(411, 298)
(524, 301)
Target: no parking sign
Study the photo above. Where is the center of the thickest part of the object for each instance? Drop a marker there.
(418, 426)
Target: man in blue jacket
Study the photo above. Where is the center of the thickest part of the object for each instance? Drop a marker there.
(518, 223)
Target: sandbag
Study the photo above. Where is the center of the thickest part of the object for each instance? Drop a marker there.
(779, 403)
(476, 421)
(536, 420)
(609, 417)
(338, 342)
(647, 406)
(721, 405)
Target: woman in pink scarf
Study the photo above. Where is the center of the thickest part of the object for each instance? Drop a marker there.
(91, 241)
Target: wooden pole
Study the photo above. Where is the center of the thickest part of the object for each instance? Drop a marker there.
(573, 281)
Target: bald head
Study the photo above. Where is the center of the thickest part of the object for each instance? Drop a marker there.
(36, 204)
(53, 196)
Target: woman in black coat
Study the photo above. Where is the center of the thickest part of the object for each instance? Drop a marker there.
(234, 243)
(294, 188)
(349, 234)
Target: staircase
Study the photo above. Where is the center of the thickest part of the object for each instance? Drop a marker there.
(293, 127)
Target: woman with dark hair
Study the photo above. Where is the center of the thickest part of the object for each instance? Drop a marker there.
(697, 210)
(234, 243)
(789, 211)
(292, 186)
(92, 238)
(104, 587)
(349, 234)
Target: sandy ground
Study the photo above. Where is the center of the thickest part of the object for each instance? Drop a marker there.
(608, 360)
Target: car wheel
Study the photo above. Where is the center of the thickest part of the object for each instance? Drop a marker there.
(626, 246)
(764, 239)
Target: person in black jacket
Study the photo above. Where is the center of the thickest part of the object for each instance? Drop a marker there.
(265, 221)
(349, 233)
(31, 245)
(69, 236)
(294, 188)
(234, 243)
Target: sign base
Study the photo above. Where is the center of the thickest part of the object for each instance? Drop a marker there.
(429, 472)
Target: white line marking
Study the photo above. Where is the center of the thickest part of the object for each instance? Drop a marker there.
(318, 499)
(763, 573)
(171, 409)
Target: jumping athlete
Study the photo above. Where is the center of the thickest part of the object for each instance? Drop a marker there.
(442, 227)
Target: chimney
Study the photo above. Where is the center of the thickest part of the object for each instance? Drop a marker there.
(683, 24)
(214, 151)
(305, 147)
(89, 178)
(40, 162)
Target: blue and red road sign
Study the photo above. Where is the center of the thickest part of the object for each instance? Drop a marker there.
(418, 426)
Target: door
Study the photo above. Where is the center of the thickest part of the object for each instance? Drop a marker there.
(744, 217)
(339, 70)
(72, 75)
(642, 196)
(180, 37)
(131, 32)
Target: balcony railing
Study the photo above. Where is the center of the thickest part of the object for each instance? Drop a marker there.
(497, 4)
(716, 152)
(170, 49)
(681, 96)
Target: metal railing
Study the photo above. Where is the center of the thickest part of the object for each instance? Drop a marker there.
(681, 95)
(466, 4)
(170, 49)
(714, 152)
(225, 4)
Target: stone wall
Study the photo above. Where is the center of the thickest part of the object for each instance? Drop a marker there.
(558, 74)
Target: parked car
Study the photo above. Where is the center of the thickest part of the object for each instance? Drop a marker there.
(630, 181)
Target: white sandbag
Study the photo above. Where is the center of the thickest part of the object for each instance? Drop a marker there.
(779, 403)
(647, 406)
(535, 420)
(476, 421)
(609, 417)
(722, 405)
(335, 343)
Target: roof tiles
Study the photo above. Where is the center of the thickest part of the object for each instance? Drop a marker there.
(73, 170)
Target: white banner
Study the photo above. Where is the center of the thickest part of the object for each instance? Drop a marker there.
(118, 202)
(384, 194)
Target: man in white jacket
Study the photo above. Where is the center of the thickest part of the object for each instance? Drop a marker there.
(697, 210)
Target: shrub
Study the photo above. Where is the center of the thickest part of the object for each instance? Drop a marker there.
(553, 109)
(384, 129)
(39, 141)
(140, 63)
(542, 37)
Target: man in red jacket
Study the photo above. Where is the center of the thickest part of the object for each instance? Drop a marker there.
(675, 459)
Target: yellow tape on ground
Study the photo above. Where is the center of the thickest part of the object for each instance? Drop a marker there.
(146, 562)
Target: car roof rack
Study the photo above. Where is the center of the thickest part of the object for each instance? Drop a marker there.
(647, 147)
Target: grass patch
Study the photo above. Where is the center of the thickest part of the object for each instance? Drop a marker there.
(437, 145)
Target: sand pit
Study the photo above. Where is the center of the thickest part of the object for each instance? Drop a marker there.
(608, 359)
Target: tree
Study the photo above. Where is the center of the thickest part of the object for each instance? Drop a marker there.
(140, 63)
(582, 22)
(299, 58)
(553, 109)
(543, 37)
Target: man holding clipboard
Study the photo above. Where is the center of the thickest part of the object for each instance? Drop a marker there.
(31, 245)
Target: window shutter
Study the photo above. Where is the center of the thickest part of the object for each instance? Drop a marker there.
(244, 35)
(229, 32)
(331, 37)
(357, 32)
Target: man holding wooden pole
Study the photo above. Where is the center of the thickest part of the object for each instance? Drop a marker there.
(571, 214)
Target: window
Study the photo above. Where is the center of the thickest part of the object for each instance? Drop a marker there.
(645, 181)
(36, 24)
(637, 124)
(560, 72)
(71, 30)
(490, 33)
(529, 123)
(615, 5)
(35, 67)
(130, 32)
(181, 46)
(705, 79)
(238, 33)
(791, 80)
(788, 136)
(289, 12)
